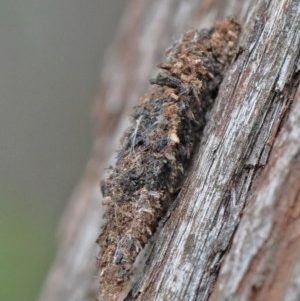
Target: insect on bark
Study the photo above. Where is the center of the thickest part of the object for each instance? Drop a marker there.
(156, 149)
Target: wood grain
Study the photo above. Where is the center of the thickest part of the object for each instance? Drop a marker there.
(250, 156)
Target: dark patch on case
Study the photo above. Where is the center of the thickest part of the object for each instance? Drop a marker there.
(156, 149)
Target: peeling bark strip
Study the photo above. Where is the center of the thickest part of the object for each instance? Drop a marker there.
(157, 147)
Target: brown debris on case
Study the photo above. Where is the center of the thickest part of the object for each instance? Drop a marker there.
(156, 149)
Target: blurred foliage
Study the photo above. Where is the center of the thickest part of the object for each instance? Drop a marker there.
(50, 59)
(26, 249)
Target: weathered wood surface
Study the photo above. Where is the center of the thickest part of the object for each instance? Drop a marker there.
(249, 155)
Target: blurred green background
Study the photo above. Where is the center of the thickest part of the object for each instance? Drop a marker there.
(50, 59)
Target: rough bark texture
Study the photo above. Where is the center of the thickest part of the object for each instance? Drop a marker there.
(234, 232)
(156, 149)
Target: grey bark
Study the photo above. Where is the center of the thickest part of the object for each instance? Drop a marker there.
(233, 233)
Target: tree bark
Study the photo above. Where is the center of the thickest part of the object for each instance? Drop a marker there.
(233, 232)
